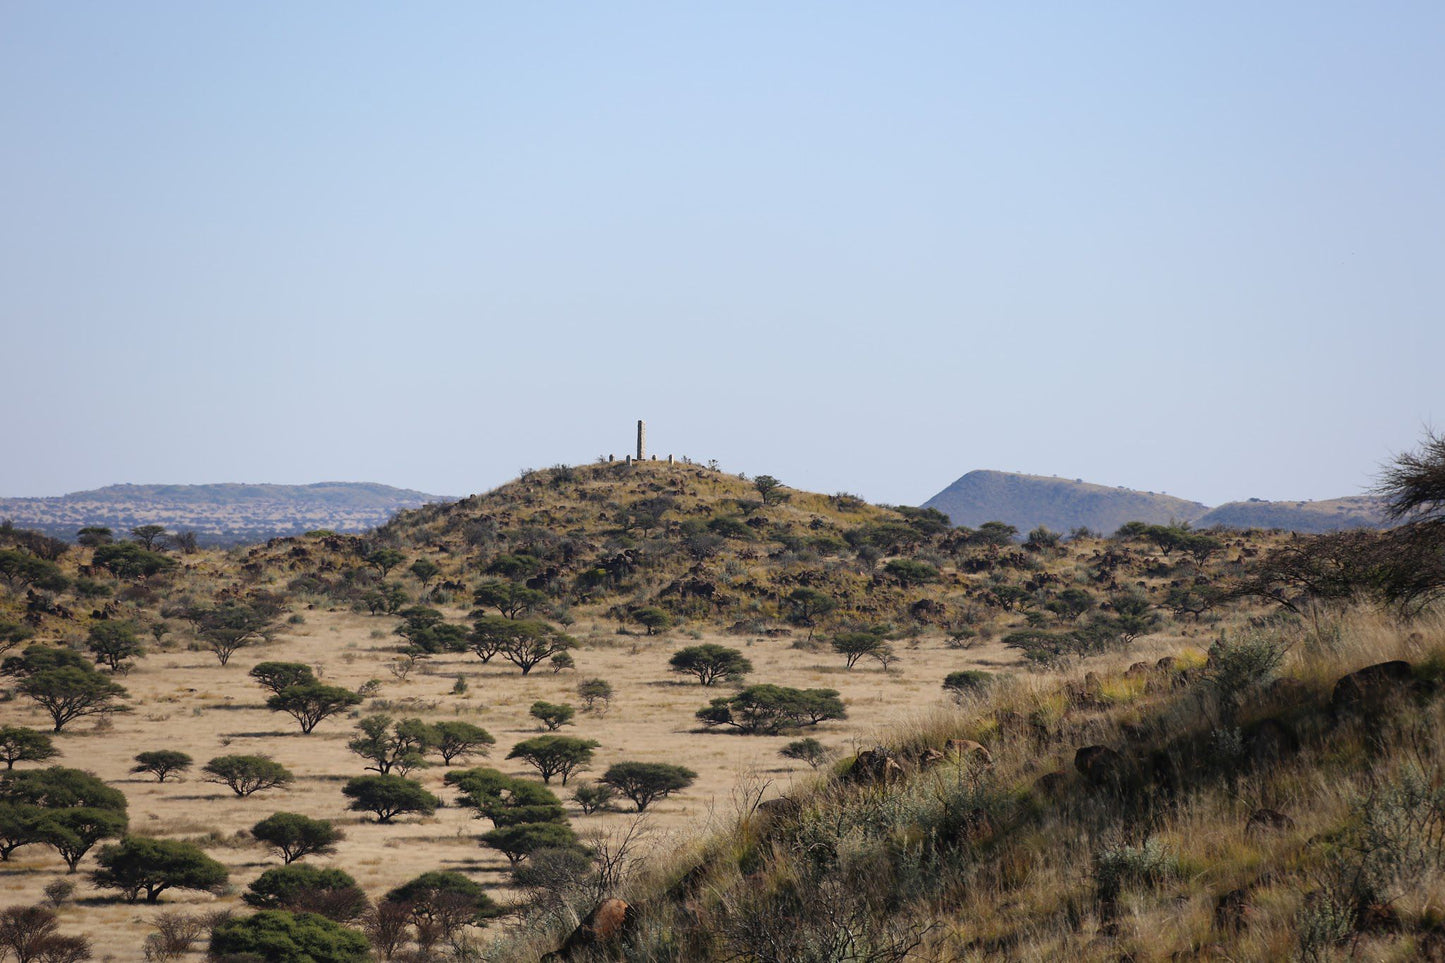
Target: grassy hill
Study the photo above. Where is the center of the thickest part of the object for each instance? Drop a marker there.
(1047, 648)
(220, 513)
(1027, 501)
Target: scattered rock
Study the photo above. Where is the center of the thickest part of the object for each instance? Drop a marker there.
(1100, 765)
(1167, 664)
(1233, 911)
(773, 811)
(1288, 690)
(1372, 685)
(1051, 784)
(606, 924)
(1263, 821)
(930, 758)
(1087, 694)
(1270, 741)
(1139, 669)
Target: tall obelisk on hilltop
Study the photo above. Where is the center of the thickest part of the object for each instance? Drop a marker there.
(641, 440)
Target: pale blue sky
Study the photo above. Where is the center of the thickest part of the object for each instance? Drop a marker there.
(859, 246)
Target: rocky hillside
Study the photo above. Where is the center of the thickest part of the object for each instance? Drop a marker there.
(222, 514)
(1062, 505)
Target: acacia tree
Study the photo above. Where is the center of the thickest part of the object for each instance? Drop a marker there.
(504, 800)
(162, 763)
(855, 645)
(245, 775)
(523, 643)
(647, 782)
(148, 535)
(1413, 485)
(389, 744)
(808, 606)
(555, 755)
(384, 560)
(294, 835)
(438, 904)
(425, 570)
(114, 643)
(771, 709)
(73, 830)
(768, 489)
(63, 684)
(311, 702)
(139, 864)
(389, 797)
(19, 744)
(277, 676)
(522, 840)
(458, 740)
(552, 715)
(234, 625)
(508, 598)
(20, 570)
(64, 808)
(711, 663)
(128, 560)
(329, 892)
(94, 536)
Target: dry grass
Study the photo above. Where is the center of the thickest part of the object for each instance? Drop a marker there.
(1027, 889)
(186, 701)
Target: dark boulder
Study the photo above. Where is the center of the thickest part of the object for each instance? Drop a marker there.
(1101, 766)
(1265, 821)
(1372, 686)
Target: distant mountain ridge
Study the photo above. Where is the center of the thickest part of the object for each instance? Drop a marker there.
(224, 513)
(1028, 501)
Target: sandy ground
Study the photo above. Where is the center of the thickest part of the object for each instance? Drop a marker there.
(184, 700)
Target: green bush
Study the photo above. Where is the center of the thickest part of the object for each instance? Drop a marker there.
(276, 936)
(1242, 664)
(1121, 866)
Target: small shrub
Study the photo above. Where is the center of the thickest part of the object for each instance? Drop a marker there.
(1242, 664)
(969, 682)
(595, 797)
(58, 892)
(1325, 921)
(810, 750)
(1121, 866)
(596, 694)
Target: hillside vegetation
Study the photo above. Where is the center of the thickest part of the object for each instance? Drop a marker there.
(604, 661)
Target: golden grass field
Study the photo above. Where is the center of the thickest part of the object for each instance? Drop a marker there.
(185, 700)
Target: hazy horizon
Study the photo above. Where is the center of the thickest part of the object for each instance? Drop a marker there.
(857, 248)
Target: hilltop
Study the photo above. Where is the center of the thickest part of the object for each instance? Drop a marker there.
(1063, 505)
(219, 514)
